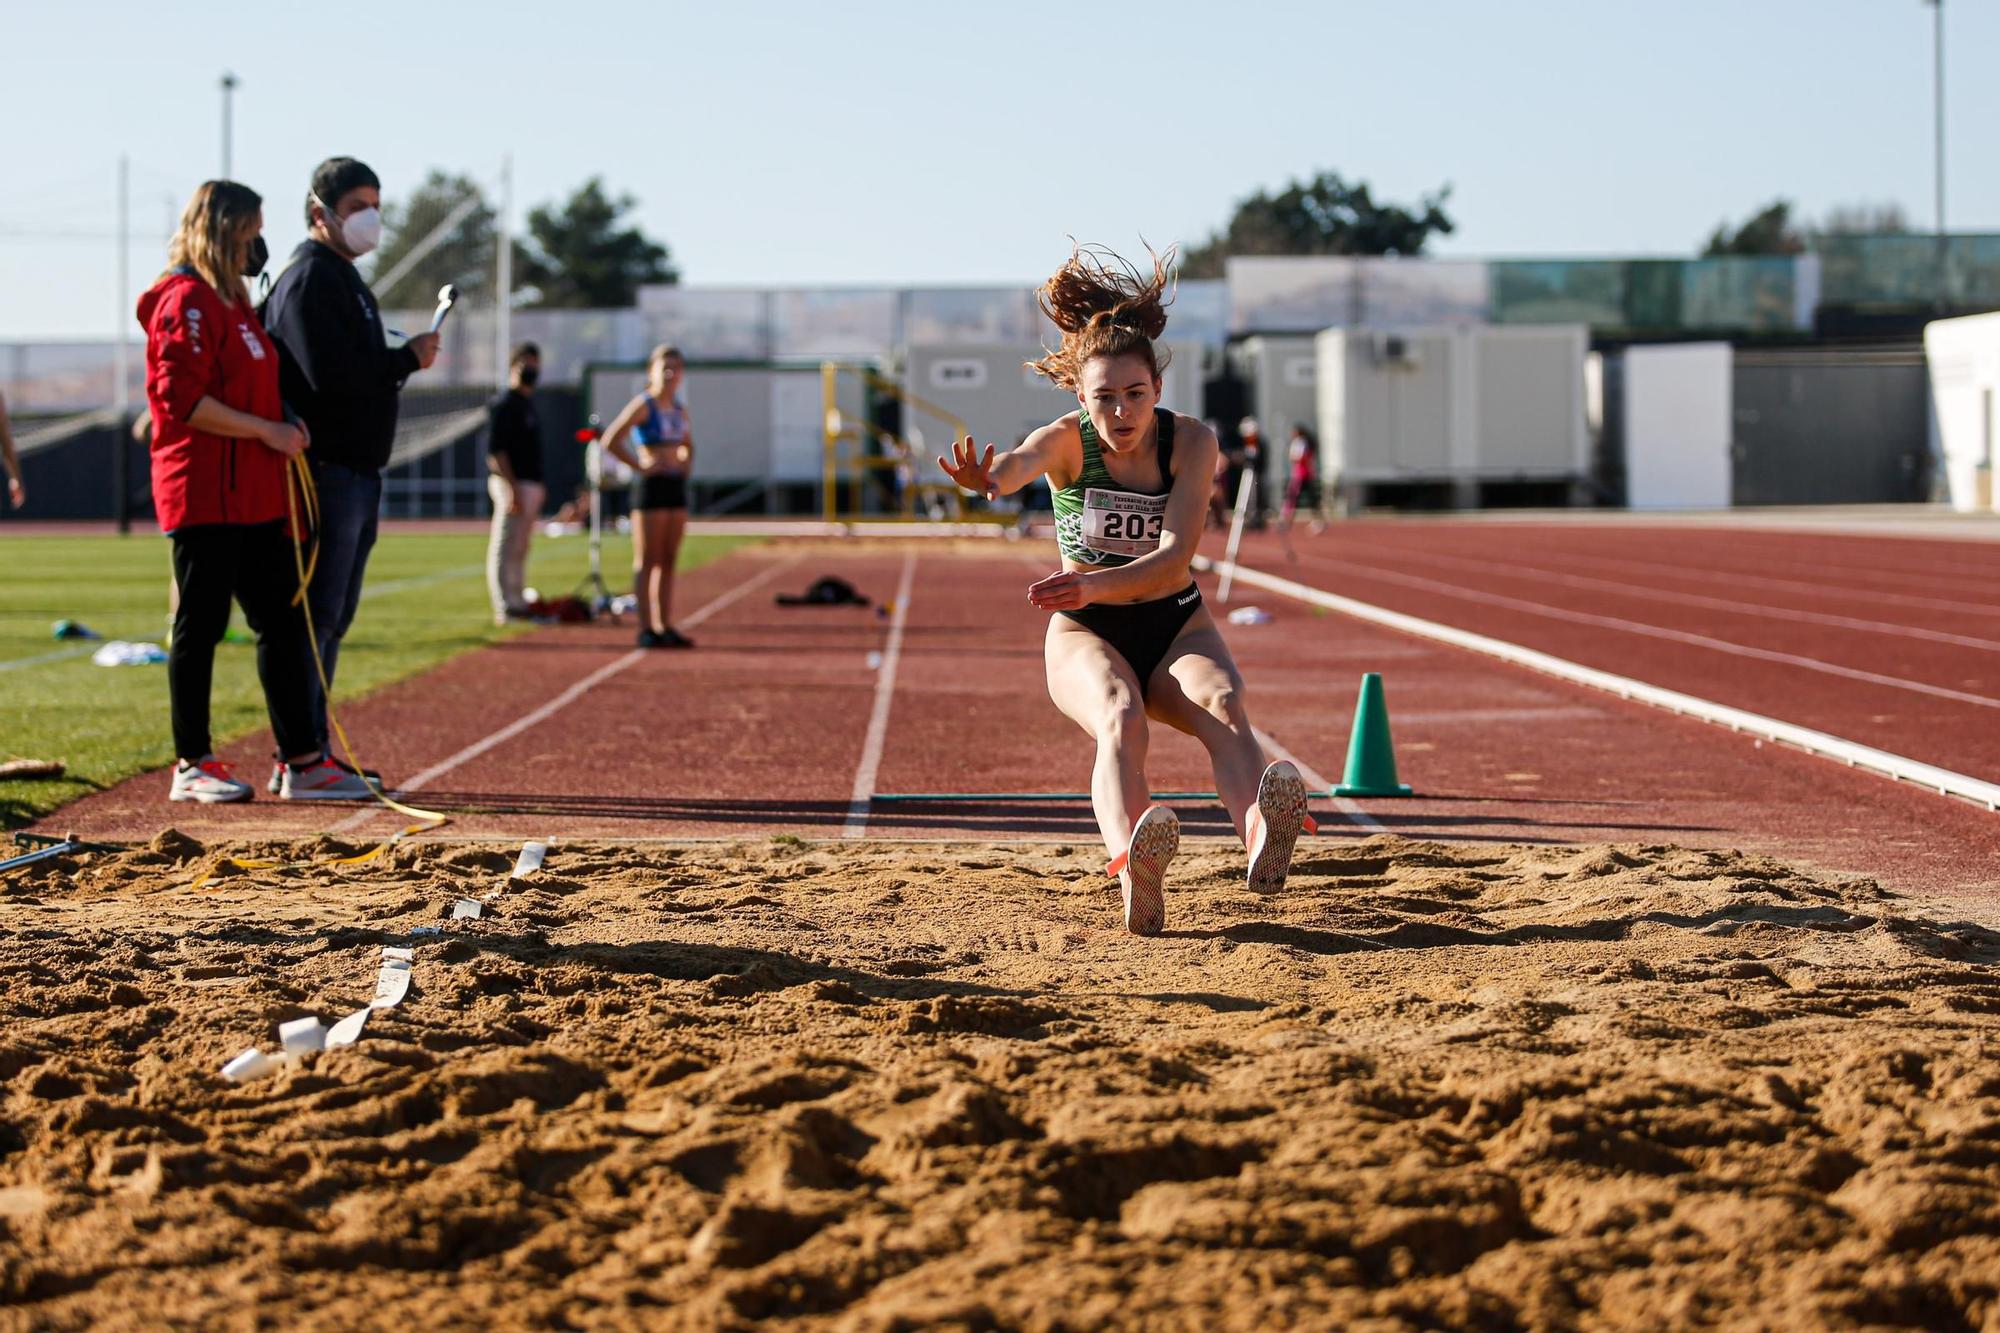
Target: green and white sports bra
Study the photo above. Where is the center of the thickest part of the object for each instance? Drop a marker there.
(1100, 522)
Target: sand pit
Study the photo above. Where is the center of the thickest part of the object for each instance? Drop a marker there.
(896, 1086)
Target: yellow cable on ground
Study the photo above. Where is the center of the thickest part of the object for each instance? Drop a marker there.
(302, 496)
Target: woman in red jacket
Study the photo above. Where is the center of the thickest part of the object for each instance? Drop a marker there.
(220, 441)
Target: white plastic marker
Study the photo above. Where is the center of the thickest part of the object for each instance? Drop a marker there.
(392, 983)
(251, 1064)
(302, 1036)
(527, 863)
(348, 1030)
(447, 298)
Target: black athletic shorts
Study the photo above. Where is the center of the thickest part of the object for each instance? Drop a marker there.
(668, 491)
(1141, 632)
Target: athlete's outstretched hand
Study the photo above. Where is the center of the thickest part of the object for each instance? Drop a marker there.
(969, 469)
(1064, 590)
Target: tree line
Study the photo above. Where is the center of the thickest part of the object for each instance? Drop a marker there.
(582, 253)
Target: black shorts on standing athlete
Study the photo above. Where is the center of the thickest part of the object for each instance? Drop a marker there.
(660, 430)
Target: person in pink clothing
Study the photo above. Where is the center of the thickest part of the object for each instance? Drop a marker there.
(1302, 484)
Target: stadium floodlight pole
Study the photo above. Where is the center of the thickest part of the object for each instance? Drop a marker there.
(228, 89)
(120, 393)
(503, 276)
(1937, 111)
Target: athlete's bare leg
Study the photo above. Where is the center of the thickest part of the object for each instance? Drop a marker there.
(1197, 690)
(653, 533)
(671, 533)
(1094, 687)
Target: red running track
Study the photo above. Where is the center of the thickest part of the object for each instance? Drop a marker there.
(1892, 642)
(765, 729)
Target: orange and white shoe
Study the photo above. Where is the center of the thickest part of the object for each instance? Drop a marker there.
(1142, 869)
(1275, 826)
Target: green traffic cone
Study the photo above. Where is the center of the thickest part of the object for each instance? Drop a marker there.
(1371, 756)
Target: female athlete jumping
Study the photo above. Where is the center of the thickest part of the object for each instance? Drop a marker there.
(1131, 638)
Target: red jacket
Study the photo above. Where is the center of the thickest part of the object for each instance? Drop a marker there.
(198, 347)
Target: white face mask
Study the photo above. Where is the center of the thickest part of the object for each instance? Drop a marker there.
(360, 231)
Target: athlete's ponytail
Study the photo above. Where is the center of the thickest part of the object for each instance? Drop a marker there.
(1104, 307)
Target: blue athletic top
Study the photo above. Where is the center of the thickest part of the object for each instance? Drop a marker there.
(657, 428)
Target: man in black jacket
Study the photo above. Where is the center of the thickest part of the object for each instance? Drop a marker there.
(514, 458)
(339, 374)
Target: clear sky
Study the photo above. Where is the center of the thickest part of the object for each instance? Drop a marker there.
(944, 142)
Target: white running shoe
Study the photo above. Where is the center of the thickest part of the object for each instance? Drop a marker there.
(276, 784)
(1281, 816)
(1142, 869)
(323, 781)
(207, 780)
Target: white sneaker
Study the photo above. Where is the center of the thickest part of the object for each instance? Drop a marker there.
(276, 785)
(208, 780)
(323, 781)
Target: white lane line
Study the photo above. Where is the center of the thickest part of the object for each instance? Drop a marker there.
(59, 655)
(1823, 744)
(1673, 635)
(560, 702)
(1738, 578)
(420, 580)
(1312, 775)
(878, 719)
(1548, 713)
(1515, 570)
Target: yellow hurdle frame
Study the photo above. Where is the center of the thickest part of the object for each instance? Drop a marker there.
(844, 441)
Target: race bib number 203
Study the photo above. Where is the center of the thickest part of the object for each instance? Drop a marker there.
(1121, 523)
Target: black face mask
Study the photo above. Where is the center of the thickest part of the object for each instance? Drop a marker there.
(260, 253)
(529, 374)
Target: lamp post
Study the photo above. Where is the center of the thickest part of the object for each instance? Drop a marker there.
(1937, 87)
(228, 89)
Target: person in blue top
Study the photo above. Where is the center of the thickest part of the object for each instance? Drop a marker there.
(1130, 639)
(657, 424)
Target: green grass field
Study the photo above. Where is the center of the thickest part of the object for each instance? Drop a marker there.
(425, 601)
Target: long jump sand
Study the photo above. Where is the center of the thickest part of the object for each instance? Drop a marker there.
(869, 1085)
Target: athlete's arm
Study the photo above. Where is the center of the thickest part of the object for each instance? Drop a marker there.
(1158, 573)
(621, 426)
(983, 474)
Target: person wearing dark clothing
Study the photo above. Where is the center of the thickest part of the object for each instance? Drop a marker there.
(1253, 463)
(221, 437)
(514, 481)
(341, 376)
